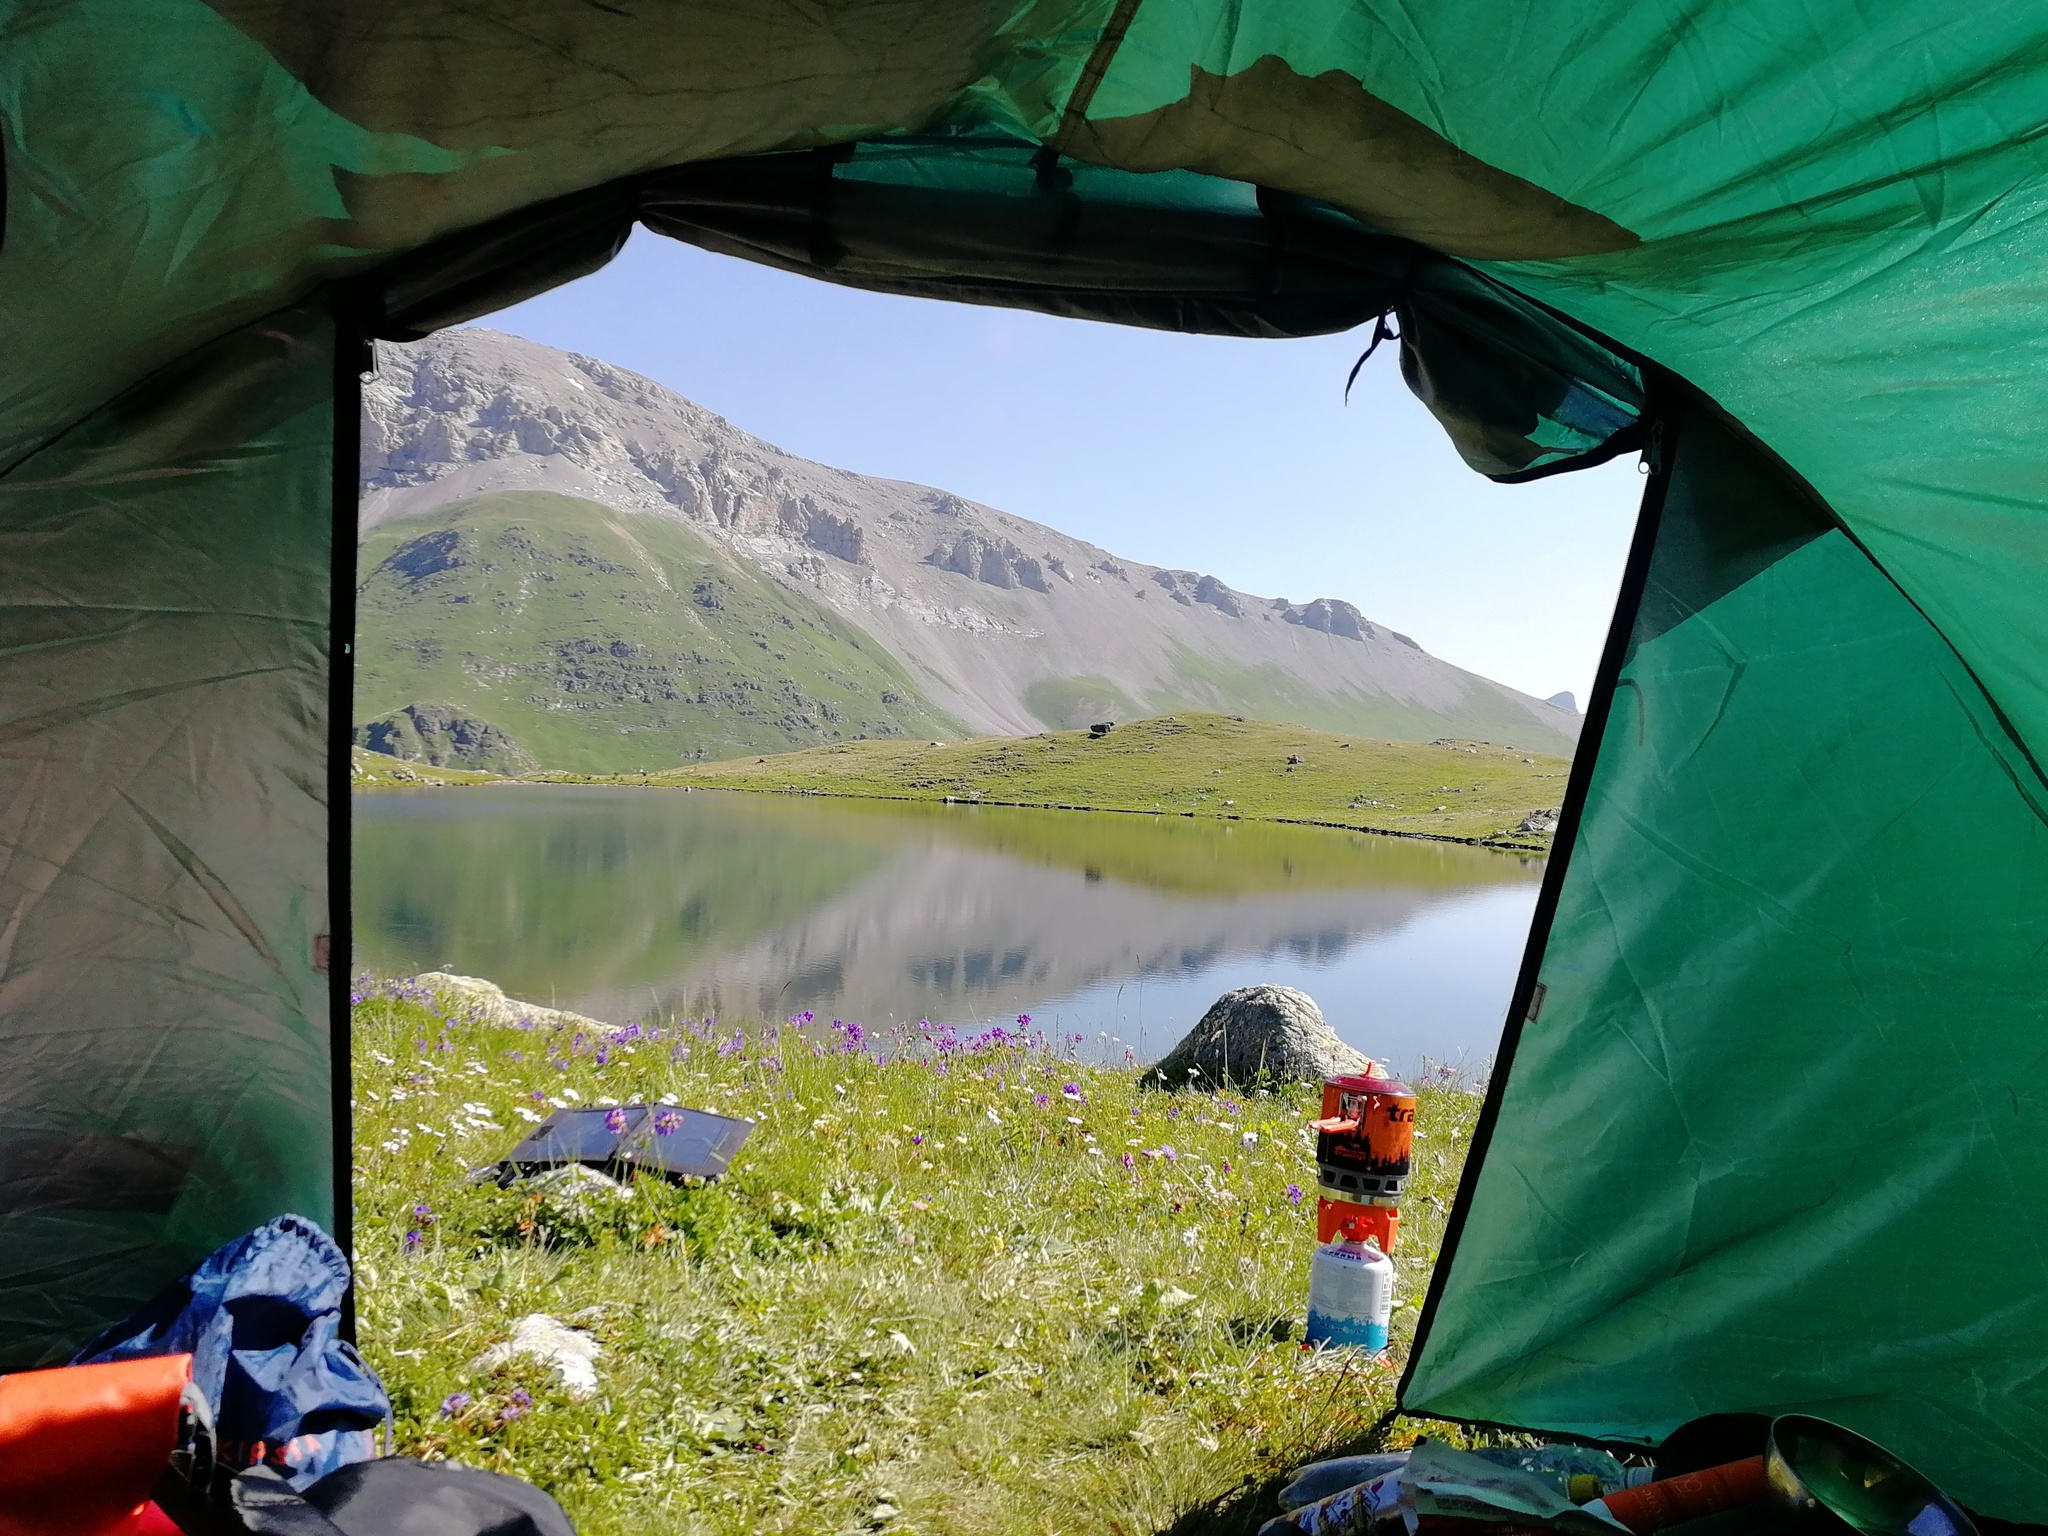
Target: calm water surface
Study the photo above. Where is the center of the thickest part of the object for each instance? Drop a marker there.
(639, 903)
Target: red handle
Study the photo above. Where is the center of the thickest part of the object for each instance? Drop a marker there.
(1675, 1500)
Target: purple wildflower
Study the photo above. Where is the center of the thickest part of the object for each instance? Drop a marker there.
(918, 1139)
(1073, 1091)
(413, 1241)
(666, 1121)
(615, 1122)
(1041, 1099)
(604, 1054)
(454, 1403)
(424, 1214)
(1023, 1021)
(539, 1096)
(1294, 1196)
(1130, 1161)
(1173, 1113)
(1169, 1154)
(734, 1046)
(515, 1405)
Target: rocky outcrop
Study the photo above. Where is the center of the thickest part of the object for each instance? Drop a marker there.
(1332, 616)
(442, 736)
(1273, 1033)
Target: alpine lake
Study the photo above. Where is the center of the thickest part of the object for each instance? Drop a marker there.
(651, 904)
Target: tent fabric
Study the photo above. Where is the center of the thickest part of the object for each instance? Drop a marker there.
(164, 572)
(1772, 1140)
(1808, 858)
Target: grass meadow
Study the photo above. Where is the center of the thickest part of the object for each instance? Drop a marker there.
(1218, 767)
(952, 1284)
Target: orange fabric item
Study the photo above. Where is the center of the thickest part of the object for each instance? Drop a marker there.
(1675, 1500)
(81, 1447)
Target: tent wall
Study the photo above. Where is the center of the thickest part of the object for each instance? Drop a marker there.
(1799, 960)
(164, 603)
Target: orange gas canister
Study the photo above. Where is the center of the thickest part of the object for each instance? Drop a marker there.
(1379, 1224)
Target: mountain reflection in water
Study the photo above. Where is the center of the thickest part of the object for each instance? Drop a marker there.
(638, 903)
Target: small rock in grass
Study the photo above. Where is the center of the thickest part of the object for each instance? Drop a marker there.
(569, 1352)
(577, 1190)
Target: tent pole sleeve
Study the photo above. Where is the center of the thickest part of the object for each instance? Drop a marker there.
(353, 354)
(1662, 424)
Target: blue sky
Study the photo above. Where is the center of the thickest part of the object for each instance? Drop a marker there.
(1235, 458)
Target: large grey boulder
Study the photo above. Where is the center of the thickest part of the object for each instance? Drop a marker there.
(1275, 1030)
(487, 1004)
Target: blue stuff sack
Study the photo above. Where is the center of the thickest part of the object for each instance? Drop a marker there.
(261, 1319)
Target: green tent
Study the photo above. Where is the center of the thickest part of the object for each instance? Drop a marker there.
(1770, 1127)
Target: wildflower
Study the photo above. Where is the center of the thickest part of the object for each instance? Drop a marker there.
(615, 1121)
(515, 1055)
(1294, 1194)
(917, 1140)
(413, 1241)
(665, 1121)
(540, 1096)
(515, 1405)
(1041, 1099)
(1130, 1161)
(1169, 1154)
(423, 1214)
(1250, 1138)
(1173, 1113)
(1074, 1120)
(1073, 1091)
(1226, 1168)
(454, 1403)
(1095, 1151)
(1023, 1021)
(734, 1046)
(604, 1054)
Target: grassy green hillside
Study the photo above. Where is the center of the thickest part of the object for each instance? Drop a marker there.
(375, 768)
(1190, 765)
(553, 630)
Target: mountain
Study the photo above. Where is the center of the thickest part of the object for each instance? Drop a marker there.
(981, 620)
(517, 629)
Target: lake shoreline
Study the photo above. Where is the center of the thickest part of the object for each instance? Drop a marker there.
(1542, 850)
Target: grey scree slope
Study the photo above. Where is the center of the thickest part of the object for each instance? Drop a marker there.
(1006, 624)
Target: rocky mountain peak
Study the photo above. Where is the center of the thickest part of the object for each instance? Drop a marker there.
(1009, 626)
